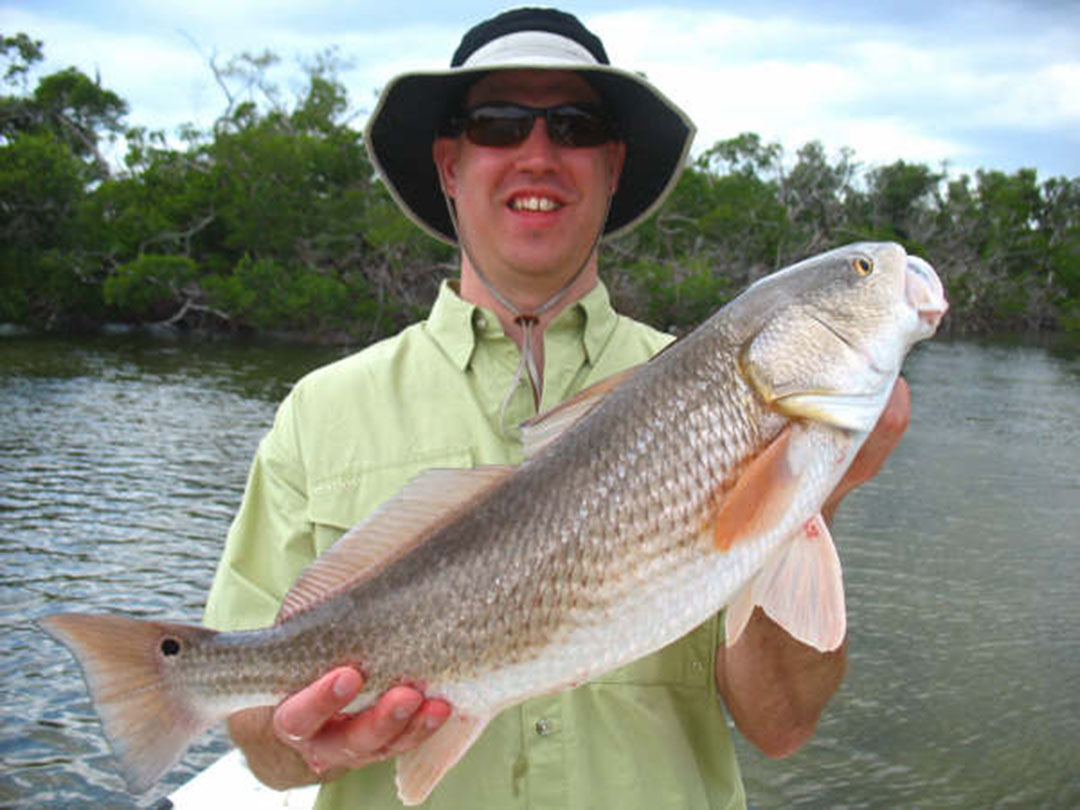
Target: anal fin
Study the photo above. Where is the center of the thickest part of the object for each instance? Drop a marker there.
(419, 770)
(737, 614)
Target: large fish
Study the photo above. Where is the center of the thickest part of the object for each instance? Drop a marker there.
(645, 505)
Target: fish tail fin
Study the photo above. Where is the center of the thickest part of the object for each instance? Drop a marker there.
(130, 668)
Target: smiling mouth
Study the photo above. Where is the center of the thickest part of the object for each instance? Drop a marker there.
(534, 203)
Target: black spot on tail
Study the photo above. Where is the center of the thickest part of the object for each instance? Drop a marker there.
(170, 646)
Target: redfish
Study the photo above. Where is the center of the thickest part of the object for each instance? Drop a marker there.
(688, 485)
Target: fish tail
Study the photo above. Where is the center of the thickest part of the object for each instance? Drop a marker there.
(131, 670)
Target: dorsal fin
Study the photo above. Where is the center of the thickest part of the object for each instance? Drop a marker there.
(540, 431)
(423, 505)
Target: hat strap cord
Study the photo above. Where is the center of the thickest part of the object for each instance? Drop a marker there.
(528, 321)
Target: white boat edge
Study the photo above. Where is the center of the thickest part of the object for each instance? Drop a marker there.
(230, 780)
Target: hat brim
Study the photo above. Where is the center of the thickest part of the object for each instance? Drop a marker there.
(402, 129)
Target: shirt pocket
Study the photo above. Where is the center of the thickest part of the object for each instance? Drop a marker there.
(340, 501)
(689, 661)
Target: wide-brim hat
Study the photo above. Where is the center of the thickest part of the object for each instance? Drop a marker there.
(413, 106)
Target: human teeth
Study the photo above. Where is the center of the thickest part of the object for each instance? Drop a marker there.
(534, 204)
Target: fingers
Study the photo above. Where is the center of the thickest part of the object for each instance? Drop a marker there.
(368, 734)
(883, 439)
(421, 725)
(887, 433)
(398, 722)
(311, 722)
(303, 714)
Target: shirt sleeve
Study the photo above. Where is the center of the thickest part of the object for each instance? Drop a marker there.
(271, 540)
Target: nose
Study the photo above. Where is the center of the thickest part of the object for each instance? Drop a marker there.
(537, 146)
(925, 292)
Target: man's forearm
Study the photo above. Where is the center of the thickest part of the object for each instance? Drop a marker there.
(775, 687)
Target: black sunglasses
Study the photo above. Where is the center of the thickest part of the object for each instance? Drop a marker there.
(506, 123)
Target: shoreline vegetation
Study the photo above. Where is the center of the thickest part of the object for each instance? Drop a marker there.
(271, 223)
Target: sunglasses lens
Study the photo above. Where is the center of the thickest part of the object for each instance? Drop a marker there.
(575, 126)
(510, 124)
(498, 126)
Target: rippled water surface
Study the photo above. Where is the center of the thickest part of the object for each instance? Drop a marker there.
(962, 568)
(121, 464)
(122, 461)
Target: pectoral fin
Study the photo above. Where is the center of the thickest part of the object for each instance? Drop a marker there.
(760, 496)
(801, 588)
(419, 770)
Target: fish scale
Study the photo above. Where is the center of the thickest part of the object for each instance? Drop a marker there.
(644, 506)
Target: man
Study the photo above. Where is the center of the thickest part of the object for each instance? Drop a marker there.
(525, 153)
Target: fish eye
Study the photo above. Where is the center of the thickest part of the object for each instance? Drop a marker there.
(863, 266)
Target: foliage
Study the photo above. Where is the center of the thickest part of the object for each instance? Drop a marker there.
(1006, 246)
(271, 219)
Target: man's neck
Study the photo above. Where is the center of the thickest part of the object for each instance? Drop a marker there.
(542, 301)
(527, 299)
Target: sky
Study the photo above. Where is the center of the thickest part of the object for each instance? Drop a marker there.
(964, 85)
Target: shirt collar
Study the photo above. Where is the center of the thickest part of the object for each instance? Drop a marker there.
(455, 323)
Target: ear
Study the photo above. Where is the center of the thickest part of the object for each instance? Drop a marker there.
(616, 159)
(445, 154)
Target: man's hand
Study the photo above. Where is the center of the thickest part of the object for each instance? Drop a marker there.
(307, 738)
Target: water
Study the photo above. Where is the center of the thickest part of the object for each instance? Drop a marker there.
(122, 462)
(962, 567)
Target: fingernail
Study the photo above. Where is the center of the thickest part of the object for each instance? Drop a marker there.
(406, 710)
(286, 733)
(344, 685)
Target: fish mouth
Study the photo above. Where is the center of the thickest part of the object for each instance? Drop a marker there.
(925, 293)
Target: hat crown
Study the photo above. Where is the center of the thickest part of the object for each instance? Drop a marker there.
(520, 20)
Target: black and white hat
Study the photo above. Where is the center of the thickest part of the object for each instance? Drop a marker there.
(413, 106)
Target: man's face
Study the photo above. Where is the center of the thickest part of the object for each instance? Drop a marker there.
(532, 209)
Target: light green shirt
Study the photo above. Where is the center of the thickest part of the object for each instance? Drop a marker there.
(650, 735)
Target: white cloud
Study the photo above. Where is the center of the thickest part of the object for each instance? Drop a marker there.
(737, 74)
(1045, 98)
(928, 88)
(890, 92)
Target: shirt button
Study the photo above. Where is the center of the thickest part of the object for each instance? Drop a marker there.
(481, 322)
(543, 727)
